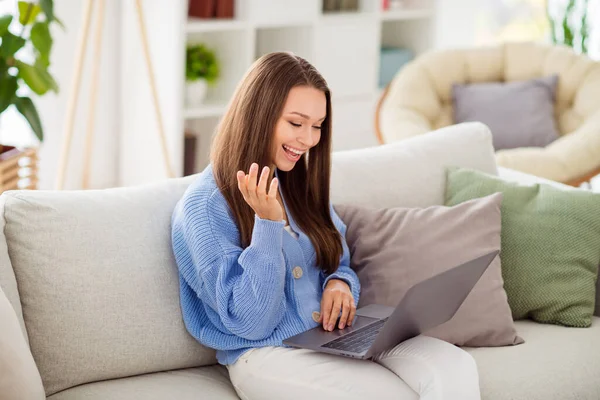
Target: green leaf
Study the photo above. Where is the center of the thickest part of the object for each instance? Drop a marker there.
(26, 107)
(36, 77)
(5, 21)
(28, 12)
(41, 39)
(48, 9)
(10, 45)
(59, 22)
(8, 89)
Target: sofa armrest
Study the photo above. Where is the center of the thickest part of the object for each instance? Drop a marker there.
(8, 281)
(409, 104)
(566, 159)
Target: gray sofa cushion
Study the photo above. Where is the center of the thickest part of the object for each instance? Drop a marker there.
(98, 282)
(206, 383)
(554, 363)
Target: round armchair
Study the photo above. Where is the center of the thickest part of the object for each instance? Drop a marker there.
(419, 99)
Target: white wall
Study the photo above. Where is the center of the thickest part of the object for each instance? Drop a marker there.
(140, 148)
(53, 107)
(456, 23)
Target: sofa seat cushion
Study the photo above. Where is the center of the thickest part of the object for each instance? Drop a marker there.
(193, 383)
(554, 363)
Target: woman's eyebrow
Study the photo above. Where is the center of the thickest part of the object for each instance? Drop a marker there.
(304, 115)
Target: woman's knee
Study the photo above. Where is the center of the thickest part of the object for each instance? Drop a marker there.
(434, 368)
(452, 356)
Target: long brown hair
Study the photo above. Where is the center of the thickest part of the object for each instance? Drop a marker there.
(245, 135)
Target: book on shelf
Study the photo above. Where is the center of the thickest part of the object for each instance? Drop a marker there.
(211, 9)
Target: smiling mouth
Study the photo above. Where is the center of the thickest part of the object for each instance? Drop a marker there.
(293, 154)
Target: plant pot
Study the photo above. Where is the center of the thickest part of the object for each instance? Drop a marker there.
(195, 92)
(18, 168)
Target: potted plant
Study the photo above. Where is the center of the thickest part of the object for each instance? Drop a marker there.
(25, 46)
(569, 23)
(201, 69)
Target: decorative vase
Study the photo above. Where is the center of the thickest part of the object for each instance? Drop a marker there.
(195, 92)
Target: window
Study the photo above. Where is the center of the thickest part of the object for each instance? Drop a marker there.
(512, 20)
(14, 129)
(527, 20)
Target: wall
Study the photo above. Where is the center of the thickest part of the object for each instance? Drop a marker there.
(53, 107)
(140, 149)
(456, 23)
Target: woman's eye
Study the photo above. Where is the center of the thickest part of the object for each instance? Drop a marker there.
(318, 127)
(296, 125)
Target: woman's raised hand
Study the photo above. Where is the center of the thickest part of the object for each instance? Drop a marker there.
(264, 204)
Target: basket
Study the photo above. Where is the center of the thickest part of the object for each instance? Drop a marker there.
(18, 168)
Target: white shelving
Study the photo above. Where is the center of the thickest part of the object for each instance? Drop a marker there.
(345, 47)
(205, 111)
(197, 25)
(405, 15)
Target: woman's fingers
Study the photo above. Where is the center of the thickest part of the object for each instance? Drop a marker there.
(352, 312)
(273, 189)
(326, 305)
(252, 179)
(242, 185)
(335, 312)
(262, 184)
(264, 204)
(345, 314)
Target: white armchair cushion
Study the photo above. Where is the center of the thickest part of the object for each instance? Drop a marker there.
(419, 97)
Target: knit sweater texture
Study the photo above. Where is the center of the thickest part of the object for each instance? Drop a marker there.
(234, 299)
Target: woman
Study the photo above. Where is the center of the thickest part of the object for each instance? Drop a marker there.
(262, 255)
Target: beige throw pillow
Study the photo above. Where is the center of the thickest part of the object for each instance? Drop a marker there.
(392, 249)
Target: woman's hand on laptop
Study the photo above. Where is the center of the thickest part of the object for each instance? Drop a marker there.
(337, 298)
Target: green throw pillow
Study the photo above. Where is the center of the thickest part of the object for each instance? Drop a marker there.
(550, 247)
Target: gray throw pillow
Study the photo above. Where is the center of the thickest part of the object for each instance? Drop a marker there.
(395, 248)
(519, 114)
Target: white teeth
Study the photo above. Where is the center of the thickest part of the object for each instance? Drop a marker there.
(293, 150)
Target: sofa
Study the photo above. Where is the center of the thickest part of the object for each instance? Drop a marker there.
(419, 99)
(89, 299)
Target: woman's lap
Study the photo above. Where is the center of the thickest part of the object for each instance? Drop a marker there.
(285, 373)
(423, 365)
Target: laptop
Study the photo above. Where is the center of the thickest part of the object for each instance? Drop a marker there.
(377, 328)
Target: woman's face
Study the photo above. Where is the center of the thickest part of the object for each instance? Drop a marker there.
(299, 127)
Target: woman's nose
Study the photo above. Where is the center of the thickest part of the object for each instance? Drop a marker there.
(306, 138)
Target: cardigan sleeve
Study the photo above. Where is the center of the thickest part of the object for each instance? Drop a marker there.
(245, 287)
(344, 272)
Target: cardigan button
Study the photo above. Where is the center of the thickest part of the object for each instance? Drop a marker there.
(315, 316)
(297, 271)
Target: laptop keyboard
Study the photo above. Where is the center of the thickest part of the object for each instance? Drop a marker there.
(357, 341)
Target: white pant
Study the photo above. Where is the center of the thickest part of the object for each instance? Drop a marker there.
(420, 368)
